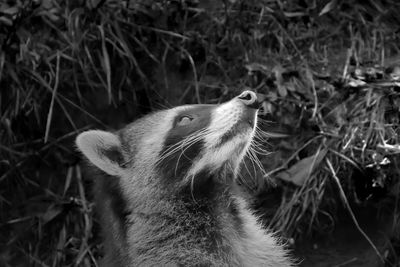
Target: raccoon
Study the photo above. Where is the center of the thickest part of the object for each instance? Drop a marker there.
(166, 189)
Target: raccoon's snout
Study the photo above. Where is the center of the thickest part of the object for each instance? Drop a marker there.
(249, 98)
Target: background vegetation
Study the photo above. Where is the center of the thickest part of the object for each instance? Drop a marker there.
(329, 72)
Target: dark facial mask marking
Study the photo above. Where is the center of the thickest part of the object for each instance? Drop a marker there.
(201, 118)
(202, 186)
(177, 164)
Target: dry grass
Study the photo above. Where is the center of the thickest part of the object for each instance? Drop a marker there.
(66, 66)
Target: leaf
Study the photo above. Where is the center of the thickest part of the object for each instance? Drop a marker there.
(51, 14)
(294, 14)
(290, 87)
(12, 11)
(68, 180)
(6, 21)
(252, 67)
(302, 170)
(8, 15)
(51, 212)
(278, 70)
(356, 83)
(62, 237)
(282, 90)
(106, 63)
(328, 7)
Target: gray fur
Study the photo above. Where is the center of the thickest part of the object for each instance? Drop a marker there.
(149, 223)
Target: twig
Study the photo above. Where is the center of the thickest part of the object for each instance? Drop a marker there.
(106, 63)
(157, 30)
(344, 157)
(346, 65)
(99, 5)
(63, 137)
(50, 114)
(17, 220)
(47, 86)
(311, 79)
(84, 248)
(346, 202)
(308, 71)
(82, 110)
(285, 164)
(12, 151)
(346, 262)
(164, 67)
(196, 82)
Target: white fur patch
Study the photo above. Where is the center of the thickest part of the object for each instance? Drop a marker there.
(224, 117)
(94, 143)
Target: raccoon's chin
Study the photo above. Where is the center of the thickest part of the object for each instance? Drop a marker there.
(238, 154)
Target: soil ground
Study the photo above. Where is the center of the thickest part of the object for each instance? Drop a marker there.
(346, 246)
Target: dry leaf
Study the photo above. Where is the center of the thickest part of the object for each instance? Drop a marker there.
(328, 7)
(302, 170)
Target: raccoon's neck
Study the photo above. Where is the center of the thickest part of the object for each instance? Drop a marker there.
(205, 186)
(204, 213)
(199, 213)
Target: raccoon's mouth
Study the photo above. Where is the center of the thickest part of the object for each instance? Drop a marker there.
(251, 122)
(249, 118)
(243, 126)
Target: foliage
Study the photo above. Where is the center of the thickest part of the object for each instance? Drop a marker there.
(329, 71)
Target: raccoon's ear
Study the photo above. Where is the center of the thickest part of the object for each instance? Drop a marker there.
(102, 149)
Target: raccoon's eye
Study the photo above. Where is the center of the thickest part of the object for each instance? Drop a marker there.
(184, 120)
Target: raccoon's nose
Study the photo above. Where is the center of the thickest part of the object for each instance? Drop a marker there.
(249, 98)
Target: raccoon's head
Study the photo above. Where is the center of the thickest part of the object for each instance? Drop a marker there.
(177, 146)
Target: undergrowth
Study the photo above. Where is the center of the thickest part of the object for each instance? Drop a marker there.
(329, 72)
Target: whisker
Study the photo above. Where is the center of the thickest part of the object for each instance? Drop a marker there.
(257, 161)
(179, 145)
(261, 135)
(258, 147)
(261, 120)
(194, 141)
(192, 189)
(252, 160)
(245, 181)
(201, 135)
